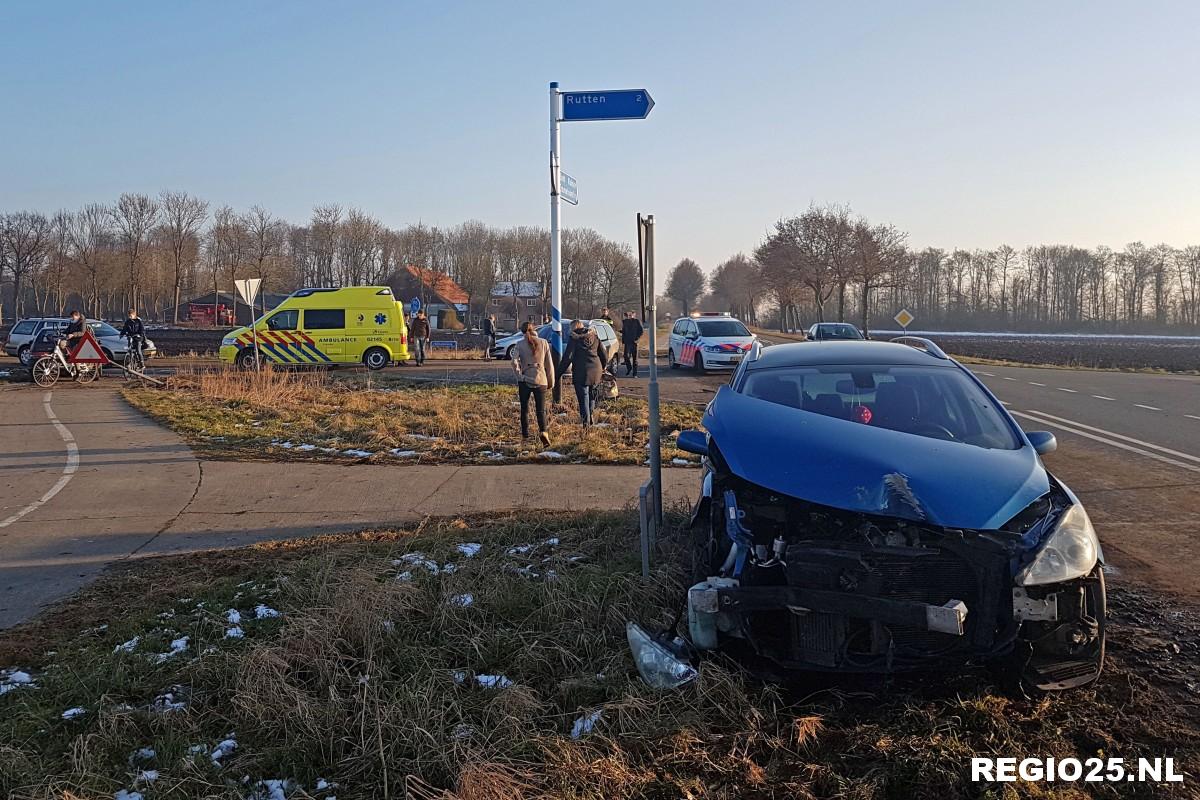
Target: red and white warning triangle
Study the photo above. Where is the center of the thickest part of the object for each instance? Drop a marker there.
(87, 351)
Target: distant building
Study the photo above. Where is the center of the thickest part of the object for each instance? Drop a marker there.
(444, 301)
(514, 302)
(203, 310)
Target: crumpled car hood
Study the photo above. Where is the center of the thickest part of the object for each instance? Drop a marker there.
(854, 467)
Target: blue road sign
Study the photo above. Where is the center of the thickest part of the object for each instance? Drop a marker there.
(569, 189)
(608, 104)
(414, 305)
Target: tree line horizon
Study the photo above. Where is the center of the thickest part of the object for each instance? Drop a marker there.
(824, 264)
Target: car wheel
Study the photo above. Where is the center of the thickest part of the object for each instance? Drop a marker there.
(45, 372)
(510, 352)
(246, 360)
(23, 356)
(376, 358)
(671, 360)
(698, 362)
(112, 356)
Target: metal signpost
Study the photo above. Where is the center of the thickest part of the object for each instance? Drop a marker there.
(578, 107)
(646, 236)
(248, 289)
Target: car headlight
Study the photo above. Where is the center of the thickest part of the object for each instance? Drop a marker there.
(658, 666)
(712, 348)
(228, 341)
(1070, 551)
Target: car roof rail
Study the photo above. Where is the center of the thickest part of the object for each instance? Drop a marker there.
(921, 343)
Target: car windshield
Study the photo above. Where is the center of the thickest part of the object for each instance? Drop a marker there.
(721, 327)
(838, 332)
(934, 402)
(102, 329)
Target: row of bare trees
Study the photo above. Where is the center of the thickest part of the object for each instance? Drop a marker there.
(153, 253)
(829, 264)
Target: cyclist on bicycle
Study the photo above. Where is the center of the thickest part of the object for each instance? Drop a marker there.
(135, 331)
(74, 330)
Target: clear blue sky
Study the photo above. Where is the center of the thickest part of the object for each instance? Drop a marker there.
(967, 124)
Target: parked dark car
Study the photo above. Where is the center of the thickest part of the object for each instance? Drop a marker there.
(833, 331)
(871, 506)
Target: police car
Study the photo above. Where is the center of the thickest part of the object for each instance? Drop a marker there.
(708, 341)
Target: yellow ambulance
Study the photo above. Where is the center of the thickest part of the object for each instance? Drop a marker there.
(325, 327)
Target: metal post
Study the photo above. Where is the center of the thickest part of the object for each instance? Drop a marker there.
(652, 389)
(556, 339)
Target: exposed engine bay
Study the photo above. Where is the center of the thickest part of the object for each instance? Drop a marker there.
(811, 587)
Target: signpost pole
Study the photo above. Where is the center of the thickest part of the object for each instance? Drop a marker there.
(556, 338)
(652, 389)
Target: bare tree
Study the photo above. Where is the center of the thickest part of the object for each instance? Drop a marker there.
(133, 217)
(686, 284)
(90, 234)
(183, 215)
(24, 242)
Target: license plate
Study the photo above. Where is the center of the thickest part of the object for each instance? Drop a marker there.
(734, 359)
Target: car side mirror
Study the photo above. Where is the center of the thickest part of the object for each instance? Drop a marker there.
(1043, 442)
(693, 441)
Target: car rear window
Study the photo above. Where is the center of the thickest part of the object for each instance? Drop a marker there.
(838, 332)
(721, 327)
(24, 327)
(934, 402)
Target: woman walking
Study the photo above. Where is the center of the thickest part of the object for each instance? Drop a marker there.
(585, 358)
(535, 374)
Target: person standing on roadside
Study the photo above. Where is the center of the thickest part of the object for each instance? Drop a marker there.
(489, 331)
(631, 334)
(585, 358)
(535, 374)
(418, 331)
(606, 315)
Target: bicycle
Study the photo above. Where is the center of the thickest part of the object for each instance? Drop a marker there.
(48, 369)
(135, 359)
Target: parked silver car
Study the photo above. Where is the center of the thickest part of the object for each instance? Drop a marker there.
(608, 338)
(25, 331)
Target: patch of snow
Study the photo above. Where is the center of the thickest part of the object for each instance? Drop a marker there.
(265, 612)
(469, 549)
(143, 754)
(422, 437)
(519, 549)
(284, 445)
(404, 577)
(166, 702)
(398, 453)
(418, 559)
(223, 749)
(146, 776)
(328, 449)
(323, 784)
(13, 678)
(463, 600)
(357, 453)
(72, 713)
(449, 569)
(197, 749)
(233, 616)
(177, 647)
(306, 447)
(129, 646)
(129, 794)
(271, 789)
(553, 455)
(552, 541)
(459, 675)
(234, 633)
(586, 723)
(493, 681)
(681, 462)
(166, 615)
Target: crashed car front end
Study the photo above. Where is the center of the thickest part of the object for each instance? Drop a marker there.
(881, 583)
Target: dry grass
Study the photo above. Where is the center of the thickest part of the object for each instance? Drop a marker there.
(369, 681)
(269, 414)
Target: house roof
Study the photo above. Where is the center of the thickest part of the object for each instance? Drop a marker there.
(439, 283)
(524, 289)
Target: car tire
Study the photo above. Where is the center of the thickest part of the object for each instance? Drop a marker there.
(698, 363)
(24, 357)
(671, 360)
(246, 360)
(376, 358)
(510, 352)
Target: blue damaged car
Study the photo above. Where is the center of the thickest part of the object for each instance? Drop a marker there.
(871, 506)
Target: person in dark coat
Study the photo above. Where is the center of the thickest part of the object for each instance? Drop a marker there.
(631, 334)
(489, 331)
(418, 333)
(586, 359)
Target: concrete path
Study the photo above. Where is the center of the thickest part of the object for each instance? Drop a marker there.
(86, 481)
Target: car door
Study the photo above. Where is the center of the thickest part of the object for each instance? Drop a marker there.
(326, 327)
(675, 342)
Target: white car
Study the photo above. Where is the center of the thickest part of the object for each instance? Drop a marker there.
(608, 338)
(709, 341)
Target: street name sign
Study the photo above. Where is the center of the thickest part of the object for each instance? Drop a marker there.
(606, 104)
(569, 189)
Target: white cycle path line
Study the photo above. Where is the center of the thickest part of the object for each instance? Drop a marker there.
(69, 470)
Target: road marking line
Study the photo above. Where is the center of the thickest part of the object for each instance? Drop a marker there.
(1158, 447)
(989, 374)
(72, 465)
(1148, 408)
(1035, 383)
(1110, 442)
(1008, 378)
(1061, 389)
(1102, 397)
(1191, 416)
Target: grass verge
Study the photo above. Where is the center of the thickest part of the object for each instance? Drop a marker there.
(315, 416)
(392, 674)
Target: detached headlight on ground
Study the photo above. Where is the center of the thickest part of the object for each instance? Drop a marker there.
(1070, 551)
(658, 666)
